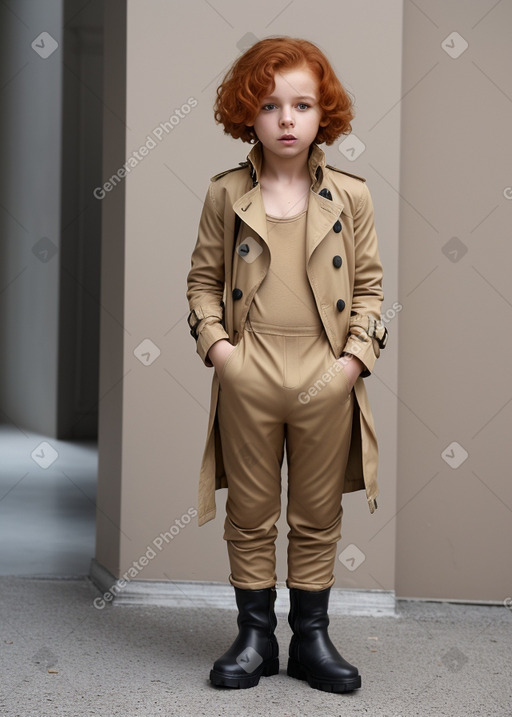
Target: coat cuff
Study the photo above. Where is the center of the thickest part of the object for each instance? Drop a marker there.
(367, 350)
(208, 334)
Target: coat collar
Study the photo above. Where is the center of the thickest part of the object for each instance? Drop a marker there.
(322, 212)
(316, 163)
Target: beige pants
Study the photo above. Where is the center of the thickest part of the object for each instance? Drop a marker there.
(283, 386)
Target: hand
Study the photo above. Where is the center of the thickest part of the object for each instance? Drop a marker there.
(352, 367)
(218, 353)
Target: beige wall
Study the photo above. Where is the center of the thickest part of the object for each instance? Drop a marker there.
(454, 527)
(153, 422)
(447, 522)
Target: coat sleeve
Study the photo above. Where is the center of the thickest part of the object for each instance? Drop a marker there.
(205, 281)
(368, 296)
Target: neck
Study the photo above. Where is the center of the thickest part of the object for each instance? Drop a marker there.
(284, 169)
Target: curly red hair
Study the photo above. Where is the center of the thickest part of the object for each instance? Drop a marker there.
(251, 78)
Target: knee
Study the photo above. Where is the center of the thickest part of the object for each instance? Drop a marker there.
(251, 530)
(324, 529)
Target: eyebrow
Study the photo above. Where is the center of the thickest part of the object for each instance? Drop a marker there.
(298, 97)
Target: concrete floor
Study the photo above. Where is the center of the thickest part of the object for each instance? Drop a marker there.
(62, 656)
(59, 655)
(47, 504)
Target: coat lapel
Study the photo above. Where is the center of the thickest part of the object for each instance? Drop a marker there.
(322, 214)
(251, 210)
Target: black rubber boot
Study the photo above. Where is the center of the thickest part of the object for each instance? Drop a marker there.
(254, 653)
(313, 657)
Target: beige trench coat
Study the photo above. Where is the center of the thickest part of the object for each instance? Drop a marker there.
(224, 279)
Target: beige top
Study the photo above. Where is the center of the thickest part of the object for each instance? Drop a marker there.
(284, 297)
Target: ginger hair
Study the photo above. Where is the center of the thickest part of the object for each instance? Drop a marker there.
(251, 78)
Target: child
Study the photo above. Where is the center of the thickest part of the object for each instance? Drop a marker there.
(285, 294)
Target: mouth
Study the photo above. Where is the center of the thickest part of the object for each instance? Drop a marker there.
(287, 138)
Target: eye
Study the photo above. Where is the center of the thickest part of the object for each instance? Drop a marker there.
(303, 106)
(268, 107)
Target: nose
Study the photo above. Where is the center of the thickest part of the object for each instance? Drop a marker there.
(286, 119)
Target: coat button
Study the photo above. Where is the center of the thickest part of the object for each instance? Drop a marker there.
(340, 304)
(325, 193)
(337, 226)
(337, 261)
(237, 294)
(243, 249)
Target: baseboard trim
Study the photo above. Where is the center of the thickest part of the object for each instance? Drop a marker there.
(199, 594)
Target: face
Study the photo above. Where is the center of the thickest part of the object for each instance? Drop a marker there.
(289, 116)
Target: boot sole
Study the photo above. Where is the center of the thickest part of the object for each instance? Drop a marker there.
(300, 673)
(266, 669)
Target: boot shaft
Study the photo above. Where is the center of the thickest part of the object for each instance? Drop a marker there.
(256, 609)
(255, 652)
(312, 655)
(308, 610)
